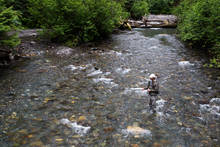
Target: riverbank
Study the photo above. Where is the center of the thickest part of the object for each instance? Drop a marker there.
(151, 21)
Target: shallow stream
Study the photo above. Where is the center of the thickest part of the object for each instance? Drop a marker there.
(93, 96)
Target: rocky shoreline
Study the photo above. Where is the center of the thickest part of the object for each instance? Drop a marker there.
(7, 55)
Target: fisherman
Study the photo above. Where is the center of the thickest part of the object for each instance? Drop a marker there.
(153, 89)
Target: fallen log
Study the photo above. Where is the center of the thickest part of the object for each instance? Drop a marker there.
(5, 51)
(155, 21)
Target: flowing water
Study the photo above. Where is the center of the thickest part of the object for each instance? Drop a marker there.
(94, 97)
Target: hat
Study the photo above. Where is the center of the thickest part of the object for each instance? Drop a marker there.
(152, 76)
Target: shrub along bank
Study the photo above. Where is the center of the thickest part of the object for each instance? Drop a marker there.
(199, 26)
(9, 21)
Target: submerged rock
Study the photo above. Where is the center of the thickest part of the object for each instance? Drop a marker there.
(206, 101)
(137, 131)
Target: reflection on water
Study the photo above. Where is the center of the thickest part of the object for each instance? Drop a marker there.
(78, 97)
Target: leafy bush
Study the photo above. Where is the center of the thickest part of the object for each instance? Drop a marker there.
(199, 24)
(161, 6)
(20, 6)
(8, 22)
(153, 6)
(139, 9)
(76, 21)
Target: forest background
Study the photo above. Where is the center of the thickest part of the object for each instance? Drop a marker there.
(73, 22)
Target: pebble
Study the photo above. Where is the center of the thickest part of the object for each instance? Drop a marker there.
(82, 118)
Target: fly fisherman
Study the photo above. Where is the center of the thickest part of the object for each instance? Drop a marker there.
(153, 89)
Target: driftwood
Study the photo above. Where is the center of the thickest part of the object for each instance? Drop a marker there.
(5, 57)
(155, 21)
(4, 51)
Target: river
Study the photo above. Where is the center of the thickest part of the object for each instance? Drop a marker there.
(93, 96)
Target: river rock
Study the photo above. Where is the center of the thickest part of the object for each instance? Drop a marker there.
(64, 51)
(82, 118)
(205, 101)
(137, 131)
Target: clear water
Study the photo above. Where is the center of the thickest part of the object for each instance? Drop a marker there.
(99, 93)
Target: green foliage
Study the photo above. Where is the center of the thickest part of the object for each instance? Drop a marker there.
(160, 6)
(139, 9)
(128, 4)
(8, 22)
(199, 25)
(21, 6)
(76, 21)
(153, 6)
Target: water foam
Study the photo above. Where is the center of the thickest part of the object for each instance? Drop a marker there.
(154, 47)
(123, 71)
(112, 53)
(139, 91)
(105, 81)
(64, 50)
(215, 101)
(73, 67)
(155, 28)
(185, 63)
(94, 73)
(212, 109)
(81, 130)
(160, 105)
